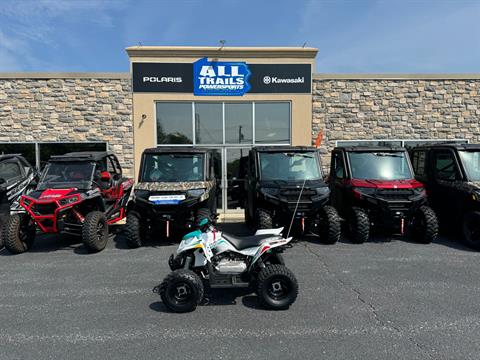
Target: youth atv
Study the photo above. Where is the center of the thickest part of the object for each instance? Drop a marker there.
(16, 179)
(221, 260)
(176, 188)
(375, 186)
(78, 194)
(285, 183)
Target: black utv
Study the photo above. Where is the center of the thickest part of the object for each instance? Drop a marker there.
(176, 189)
(285, 187)
(451, 174)
(16, 179)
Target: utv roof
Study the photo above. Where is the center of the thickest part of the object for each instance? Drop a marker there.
(457, 146)
(369, 148)
(81, 156)
(176, 149)
(284, 148)
(10, 156)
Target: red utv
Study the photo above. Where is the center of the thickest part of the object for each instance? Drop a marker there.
(78, 194)
(375, 186)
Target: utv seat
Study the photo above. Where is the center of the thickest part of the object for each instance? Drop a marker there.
(245, 242)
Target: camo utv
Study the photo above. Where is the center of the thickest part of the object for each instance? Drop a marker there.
(176, 189)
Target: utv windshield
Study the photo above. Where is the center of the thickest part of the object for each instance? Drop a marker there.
(173, 167)
(289, 166)
(380, 165)
(471, 164)
(9, 170)
(60, 175)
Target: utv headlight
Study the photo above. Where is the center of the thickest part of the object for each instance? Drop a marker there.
(324, 190)
(195, 192)
(69, 200)
(420, 191)
(476, 195)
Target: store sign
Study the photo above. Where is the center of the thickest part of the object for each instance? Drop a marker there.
(222, 78)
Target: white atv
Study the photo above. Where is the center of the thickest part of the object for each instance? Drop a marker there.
(225, 261)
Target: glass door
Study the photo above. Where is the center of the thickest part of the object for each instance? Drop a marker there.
(234, 178)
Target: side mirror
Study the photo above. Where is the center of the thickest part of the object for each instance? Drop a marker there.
(105, 176)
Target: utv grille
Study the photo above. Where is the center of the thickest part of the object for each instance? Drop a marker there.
(395, 194)
(293, 194)
(44, 209)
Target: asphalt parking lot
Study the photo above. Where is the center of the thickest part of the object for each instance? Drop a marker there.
(379, 300)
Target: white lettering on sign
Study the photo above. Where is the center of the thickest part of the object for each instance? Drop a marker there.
(163, 79)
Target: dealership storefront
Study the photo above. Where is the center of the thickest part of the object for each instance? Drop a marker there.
(229, 99)
(226, 99)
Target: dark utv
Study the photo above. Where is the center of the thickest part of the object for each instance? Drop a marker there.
(16, 179)
(176, 188)
(376, 186)
(451, 174)
(78, 194)
(285, 183)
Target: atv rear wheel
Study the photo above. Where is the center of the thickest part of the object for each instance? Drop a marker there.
(328, 225)
(95, 232)
(425, 225)
(181, 291)
(134, 231)
(471, 229)
(19, 233)
(276, 287)
(264, 219)
(359, 225)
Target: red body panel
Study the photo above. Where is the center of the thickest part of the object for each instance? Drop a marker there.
(390, 184)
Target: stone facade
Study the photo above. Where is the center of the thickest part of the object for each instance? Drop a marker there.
(69, 110)
(351, 109)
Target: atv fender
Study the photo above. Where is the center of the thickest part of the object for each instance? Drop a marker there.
(277, 231)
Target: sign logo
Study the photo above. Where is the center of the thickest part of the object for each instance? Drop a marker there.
(220, 78)
(267, 80)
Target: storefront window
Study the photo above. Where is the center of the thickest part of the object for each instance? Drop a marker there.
(208, 123)
(174, 123)
(239, 123)
(272, 123)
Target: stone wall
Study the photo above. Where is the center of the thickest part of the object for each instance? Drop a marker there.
(350, 109)
(69, 110)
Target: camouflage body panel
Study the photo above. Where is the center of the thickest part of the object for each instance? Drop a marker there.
(176, 186)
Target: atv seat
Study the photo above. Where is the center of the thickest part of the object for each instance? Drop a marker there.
(244, 242)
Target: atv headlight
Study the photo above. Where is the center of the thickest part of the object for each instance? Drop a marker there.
(69, 200)
(195, 192)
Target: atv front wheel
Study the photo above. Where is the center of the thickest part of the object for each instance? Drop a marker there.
(181, 291)
(425, 225)
(19, 233)
(95, 232)
(329, 227)
(134, 231)
(471, 229)
(359, 226)
(264, 219)
(276, 287)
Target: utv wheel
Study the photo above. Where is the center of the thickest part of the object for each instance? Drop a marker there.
(329, 227)
(425, 225)
(181, 291)
(2, 222)
(471, 229)
(134, 232)
(19, 233)
(95, 232)
(264, 219)
(359, 226)
(276, 287)
(203, 213)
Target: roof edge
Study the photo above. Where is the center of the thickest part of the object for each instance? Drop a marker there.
(398, 76)
(64, 75)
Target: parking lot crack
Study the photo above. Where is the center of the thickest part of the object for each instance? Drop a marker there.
(386, 324)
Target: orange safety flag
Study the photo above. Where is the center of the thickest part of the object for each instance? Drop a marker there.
(318, 140)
